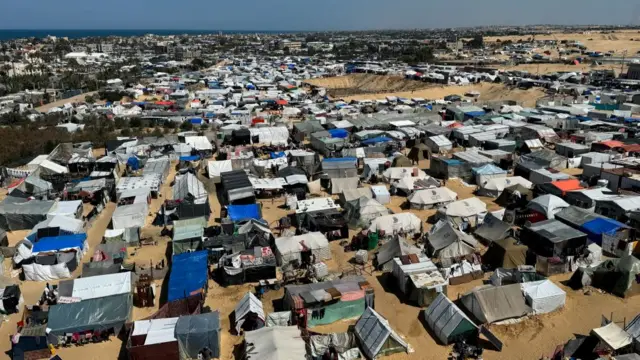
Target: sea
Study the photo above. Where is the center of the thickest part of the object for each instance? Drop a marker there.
(8, 34)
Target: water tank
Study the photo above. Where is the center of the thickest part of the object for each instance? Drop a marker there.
(602, 183)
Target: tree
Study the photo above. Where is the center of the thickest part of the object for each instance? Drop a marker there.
(125, 132)
(186, 126)
(157, 132)
(89, 99)
(197, 64)
(477, 42)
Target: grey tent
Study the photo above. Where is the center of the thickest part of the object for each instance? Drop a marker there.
(376, 336)
(352, 195)
(363, 211)
(20, 214)
(340, 184)
(447, 322)
(490, 303)
(104, 313)
(249, 313)
(196, 333)
(447, 243)
(393, 248)
(275, 343)
(575, 216)
(493, 229)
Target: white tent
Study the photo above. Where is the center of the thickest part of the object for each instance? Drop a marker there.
(430, 198)
(362, 212)
(395, 173)
(215, 168)
(471, 209)
(99, 286)
(338, 185)
(188, 186)
(381, 194)
(247, 305)
(275, 343)
(72, 209)
(278, 135)
(613, 336)
(495, 186)
(157, 331)
(543, 296)
(129, 216)
(548, 205)
(199, 143)
(407, 222)
(289, 248)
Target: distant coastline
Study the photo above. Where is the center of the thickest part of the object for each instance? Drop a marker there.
(9, 34)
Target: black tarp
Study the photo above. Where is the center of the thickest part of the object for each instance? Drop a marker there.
(198, 332)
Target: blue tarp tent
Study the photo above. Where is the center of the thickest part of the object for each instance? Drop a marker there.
(133, 163)
(599, 226)
(338, 133)
(244, 212)
(56, 243)
(474, 113)
(196, 120)
(277, 154)
(376, 140)
(189, 274)
(190, 158)
(351, 159)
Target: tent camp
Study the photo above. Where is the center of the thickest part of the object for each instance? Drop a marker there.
(376, 337)
(189, 275)
(51, 258)
(419, 279)
(543, 296)
(21, 214)
(393, 223)
(98, 314)
(493, 229)
(471, 210)
(275, 343)
(449, 244)
(130, 216)
(216, 168)
(431, 198)
(188, 187)
(302, 247)
(490, 304)
(495, 186)
(505, 253)
(249, 314)
(395, 247)
(616, 276)
(547, 205)
(364, 211)
(198, 333)
(447, 322)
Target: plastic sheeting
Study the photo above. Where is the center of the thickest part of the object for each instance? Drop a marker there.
(244, 212)
(490, 303)
(67, 226)
(288, 248)
(548, 205)
(189, 274)
(374, 332)
(248, 304)
(101, 286)
(20, 214)
(59, 243)
(407, 222)
(281, 318)
(275, 343)
(198, 332)
(188, 186)
(543, 296)
(95, 314)
(37, 272)
(129, 216)
(447, 321)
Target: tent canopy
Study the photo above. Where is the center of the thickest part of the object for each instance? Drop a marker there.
(408, 222)
(393, 248)
(376, 335)
(505, 253)
(613, 336)
(543, 296)
(495, 303)
(189, 274)
(275, 343)
(493, 229)
(197, 332)
(244, 212)
(548, 205)
(94, 314)
(247, 305)
(58, 243)
(447, 321)
(65, 224)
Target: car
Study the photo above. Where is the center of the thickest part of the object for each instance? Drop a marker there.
(452, 98)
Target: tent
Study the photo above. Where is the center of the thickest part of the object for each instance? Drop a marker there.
(289, 249)
(364, 211)
(430, 198)
(447, 322)
(189, 275)
(401, 161)
(471, 210)
(187, 235)
(491, 304)
(198, 333)
(607, 233)
(381, 194)
(353, 195)
(396, 173)
(493, 229)
(51, 258)
(55, 226)
(216, 168)
(543, 296)
(72, 209)
(395, 247)
(514, 196)
(239, 213)
(376, 337)
(505, 253)
(10, 299)
(419, 152)
(130, 216)
(613, 336)
(407, 185)
(616, 276)
(449, 244)
(95, 287)
(21, 214)
(188, 187)
(340, 184)
(419, 279)
(275, 343)
(236, 187)
(392, 223)
(99, 314)
(547, 205)
(154, 338)
(249, 314)
(488, 172)
(495, 186)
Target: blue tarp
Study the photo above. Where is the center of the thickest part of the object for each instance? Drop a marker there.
(452, 162)
(376, 140)
(474, 113)
(244, 212)
(190, 158)
(488, 169)
(352, 159)
(599, 226)
(338, 133)
(196, 120)
(631, 120)
(189, 274)
(56, 243)
(133, 163)
(277, 154)
(583, 118)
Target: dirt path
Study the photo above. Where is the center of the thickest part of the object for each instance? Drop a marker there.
(77, 98)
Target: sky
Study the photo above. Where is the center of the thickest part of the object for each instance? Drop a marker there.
(301, 15)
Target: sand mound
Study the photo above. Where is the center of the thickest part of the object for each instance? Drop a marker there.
(356, 84)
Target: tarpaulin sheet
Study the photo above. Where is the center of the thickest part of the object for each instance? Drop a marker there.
(244, 212)
(60, 242)
(338, 133)
(95, 314)
(190, 158)
(197, 332)
(601, 226)
(376, 140)
(189, 273)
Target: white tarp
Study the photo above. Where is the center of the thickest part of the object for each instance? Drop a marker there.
(395, 173)
(100, 286)
(543, 296)
(158, 331)
(465, 208)
(390, 224)
(267, 184)
(248, 304)
(613, 336)
(288, 248)
(200, 143)
(37, 272)
(276, 343)
(495, 186)
(129, 216)
(278, 135)
(548, 205)
(215, 168)
(381, 194)
(427, 198)
(66, 208)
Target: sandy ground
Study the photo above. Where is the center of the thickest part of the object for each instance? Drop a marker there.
(488, 92)
(77, 98)
(580, 314)
(552, 68)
